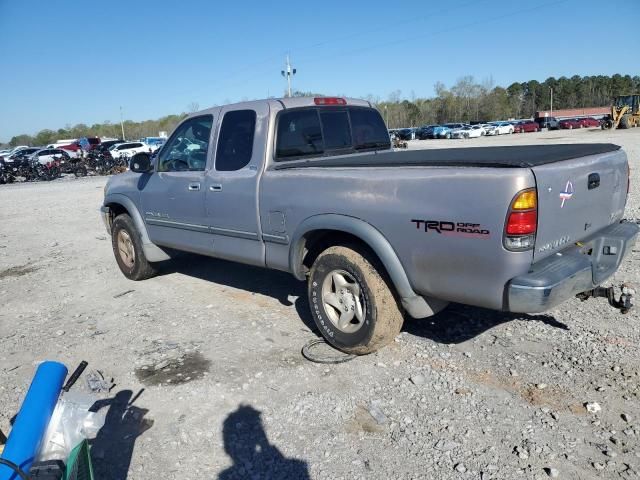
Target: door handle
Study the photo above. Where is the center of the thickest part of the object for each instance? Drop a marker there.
(194, 187)
(216, 187)
(593, 181)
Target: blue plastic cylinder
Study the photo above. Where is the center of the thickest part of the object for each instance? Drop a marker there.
(31, 423)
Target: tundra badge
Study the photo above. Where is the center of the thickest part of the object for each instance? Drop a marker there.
(567, 193)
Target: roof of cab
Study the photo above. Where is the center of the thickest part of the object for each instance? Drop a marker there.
(293, 102)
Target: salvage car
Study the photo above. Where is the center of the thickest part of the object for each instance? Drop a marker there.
(468, 131)
(503, 128)
(526, 126)
(570, 123)
(588, 122)
(425, 132)
(311, 186)
(550, 123)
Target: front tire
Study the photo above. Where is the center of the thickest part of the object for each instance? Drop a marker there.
(127, 248)
(351, 303)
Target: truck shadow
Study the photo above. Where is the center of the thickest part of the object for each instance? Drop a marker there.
(271, 283)
(460, 323)
(455, 324)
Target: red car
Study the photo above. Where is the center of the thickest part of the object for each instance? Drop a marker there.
(571, 123)
(527, 126)
(590, 122)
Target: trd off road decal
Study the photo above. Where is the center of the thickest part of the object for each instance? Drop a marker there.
(452, 229)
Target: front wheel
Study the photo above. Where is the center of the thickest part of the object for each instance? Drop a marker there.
(351, 303)
(127, 248)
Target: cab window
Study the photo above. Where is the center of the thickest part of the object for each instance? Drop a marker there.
(235, 143)
(187, 148)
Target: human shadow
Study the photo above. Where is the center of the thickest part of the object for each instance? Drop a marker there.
(112, 449)
(459, 323)
(246, 442)
(272, 283)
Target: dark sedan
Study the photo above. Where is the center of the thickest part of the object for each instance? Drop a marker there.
(526, 126)
(571, 123)
(588, 122)
(548, 122)
(425, 132)
(405, 133)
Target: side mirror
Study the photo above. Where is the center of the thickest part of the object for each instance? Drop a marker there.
(140, 163)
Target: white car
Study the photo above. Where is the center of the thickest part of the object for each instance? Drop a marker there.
(128, 149)
(490, 129)
(47, 155)
(503, 128)
(468, 131)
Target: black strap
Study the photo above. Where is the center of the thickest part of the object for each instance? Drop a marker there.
(15, 468)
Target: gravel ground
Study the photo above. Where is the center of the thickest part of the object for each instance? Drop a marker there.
(215, 349)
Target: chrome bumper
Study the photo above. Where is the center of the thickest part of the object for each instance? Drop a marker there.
(106, 218)
(574, 270)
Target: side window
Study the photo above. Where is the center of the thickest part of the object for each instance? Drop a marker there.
(187, 148)
(335, 126)
(298, 134)
(235, 142)
(369, 130)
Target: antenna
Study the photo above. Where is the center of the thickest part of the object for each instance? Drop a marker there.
(288, 72)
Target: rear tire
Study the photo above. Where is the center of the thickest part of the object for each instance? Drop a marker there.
(625, 121)
(127, 248)
(351, 302)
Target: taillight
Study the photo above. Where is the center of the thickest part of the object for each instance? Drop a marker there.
(329, 101)
(522, 221)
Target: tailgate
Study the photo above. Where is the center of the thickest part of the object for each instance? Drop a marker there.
(578, 197)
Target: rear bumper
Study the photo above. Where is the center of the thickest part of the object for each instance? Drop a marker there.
(576, 269)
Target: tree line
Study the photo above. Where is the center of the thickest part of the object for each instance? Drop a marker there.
(467, 100)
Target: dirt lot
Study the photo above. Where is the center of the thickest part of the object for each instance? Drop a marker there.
(215, 346)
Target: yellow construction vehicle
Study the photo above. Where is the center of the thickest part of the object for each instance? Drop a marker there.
(625, 112)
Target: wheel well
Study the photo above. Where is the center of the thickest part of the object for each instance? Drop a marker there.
(115, 209)
(318, 241)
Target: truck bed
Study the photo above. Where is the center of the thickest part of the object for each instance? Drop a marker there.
(527, 156)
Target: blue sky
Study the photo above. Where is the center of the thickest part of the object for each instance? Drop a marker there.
(68, 62)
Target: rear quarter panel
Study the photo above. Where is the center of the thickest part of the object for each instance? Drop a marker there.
(459, 266)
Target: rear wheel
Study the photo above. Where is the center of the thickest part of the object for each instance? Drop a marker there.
(625, 121)
(351, 303)
(127, 248)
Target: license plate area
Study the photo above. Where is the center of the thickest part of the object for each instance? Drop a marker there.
(607, 253)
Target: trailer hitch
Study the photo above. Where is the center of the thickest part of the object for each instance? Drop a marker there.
(624, 303)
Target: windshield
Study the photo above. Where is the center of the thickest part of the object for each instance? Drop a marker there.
(623, 100)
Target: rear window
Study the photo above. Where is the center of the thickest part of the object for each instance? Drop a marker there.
(324, 131)
(337, 133)
(299, 134)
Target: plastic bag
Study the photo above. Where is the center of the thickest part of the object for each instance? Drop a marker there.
(70, 423)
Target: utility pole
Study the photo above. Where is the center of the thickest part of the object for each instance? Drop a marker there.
(122, 124)
(288, 72)
(551, 88)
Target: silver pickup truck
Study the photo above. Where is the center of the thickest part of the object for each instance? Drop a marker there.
(311, 186)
